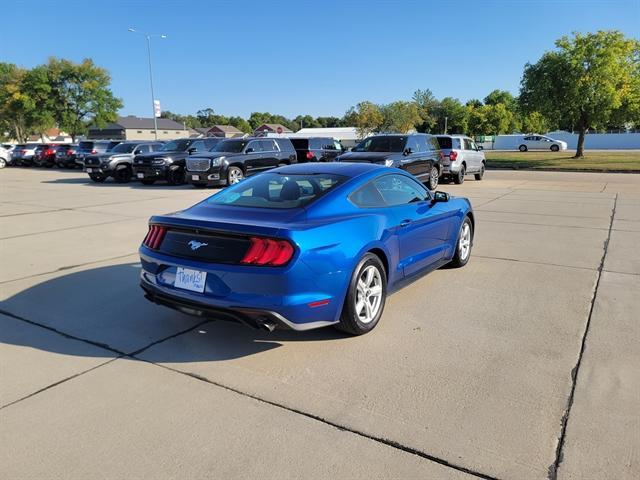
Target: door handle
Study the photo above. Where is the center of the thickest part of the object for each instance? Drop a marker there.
(404, 223)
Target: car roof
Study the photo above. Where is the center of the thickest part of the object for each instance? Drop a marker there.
(337, 168)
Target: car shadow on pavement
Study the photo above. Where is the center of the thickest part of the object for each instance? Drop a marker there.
(105, 306)
(111, 184)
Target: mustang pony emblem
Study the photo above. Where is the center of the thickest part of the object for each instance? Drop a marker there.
(195, 245)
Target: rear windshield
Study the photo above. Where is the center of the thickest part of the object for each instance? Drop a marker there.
(445, 142)
(275, 190)
(32, 145)
(390, 143)
(300, 143)
(86, 145)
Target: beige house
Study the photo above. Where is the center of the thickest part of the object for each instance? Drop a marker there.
(136, 128)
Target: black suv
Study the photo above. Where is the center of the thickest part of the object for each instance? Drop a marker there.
(232, 160)
(117, 162)
(168, 162)
(316, 149)
(418, 154)
(91, 147)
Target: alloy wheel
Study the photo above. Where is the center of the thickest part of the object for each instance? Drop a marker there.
(464, 244)
(235, 175)
(368, 294)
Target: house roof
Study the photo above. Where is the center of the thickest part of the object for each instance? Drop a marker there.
(272, 127)
(132, 122)
(225, 128)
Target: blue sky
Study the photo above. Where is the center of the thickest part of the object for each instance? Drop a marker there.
(302, 57)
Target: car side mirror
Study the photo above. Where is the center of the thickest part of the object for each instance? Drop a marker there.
(191, 150)
(137, 152)
(439, 197)
(249, 150)
(407, 151)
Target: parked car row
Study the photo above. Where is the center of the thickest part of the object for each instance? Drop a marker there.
(214, 161)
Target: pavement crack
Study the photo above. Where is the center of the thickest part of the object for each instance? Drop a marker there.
(343, 428)
(69, 267)
(575, 371)
(182, 332)
(59, 382)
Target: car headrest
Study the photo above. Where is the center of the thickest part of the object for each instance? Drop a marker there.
(290, 190)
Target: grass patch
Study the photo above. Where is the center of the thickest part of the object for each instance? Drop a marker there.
(593, 161)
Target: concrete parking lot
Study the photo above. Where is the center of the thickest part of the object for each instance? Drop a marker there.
(522, 365)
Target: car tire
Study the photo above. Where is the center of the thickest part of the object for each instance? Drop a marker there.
(176, 176)
(359, 316)
(97, 178)
(3, 162)
(434, 176)
(480, 174)
(234, 175)
(555, 148)
(459, 178)
(147, 181)
(522, 148)
(464, 242)
(123, 175)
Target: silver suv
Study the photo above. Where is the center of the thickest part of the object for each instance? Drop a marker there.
(461, 157)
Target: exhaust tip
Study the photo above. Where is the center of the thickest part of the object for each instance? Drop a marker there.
(268, 326)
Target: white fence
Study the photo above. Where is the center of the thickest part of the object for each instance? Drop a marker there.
(594, 141)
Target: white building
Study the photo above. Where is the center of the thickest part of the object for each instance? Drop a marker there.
(347, 136)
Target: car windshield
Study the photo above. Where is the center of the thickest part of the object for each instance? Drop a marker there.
(277, 190)
(391, 143)
(231, 146)
(176, 146)
(445, 142)
(124, 148)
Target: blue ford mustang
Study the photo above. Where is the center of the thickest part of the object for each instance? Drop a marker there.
(304, 246)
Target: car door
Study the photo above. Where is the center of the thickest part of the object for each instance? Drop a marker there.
(422, 227)
(271, 154)
(253, 157)
(470, 155)
(412, 159)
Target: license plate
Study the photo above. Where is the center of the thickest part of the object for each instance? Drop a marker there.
(89, 170)
(140, 175)
(195, 177)
(188, 279)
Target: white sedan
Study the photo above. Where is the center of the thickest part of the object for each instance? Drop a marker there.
(540, 142)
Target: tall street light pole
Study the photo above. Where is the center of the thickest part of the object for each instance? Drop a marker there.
(153, 98)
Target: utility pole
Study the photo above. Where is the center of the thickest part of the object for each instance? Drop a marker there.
(153, 98)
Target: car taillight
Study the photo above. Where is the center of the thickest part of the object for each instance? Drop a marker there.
(94, 151)
(50, 152)
(268, 251)
(453, 155)
(309, 155)
(70, 152)
(154, 237)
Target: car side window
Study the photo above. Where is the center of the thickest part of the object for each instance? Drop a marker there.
(368, 196)
(268, 146)
(467, 144)
(254, 146)
(156, 146)
(473, 145)
(142, 149)
(422, 143)
(412, 143)
(400, 190)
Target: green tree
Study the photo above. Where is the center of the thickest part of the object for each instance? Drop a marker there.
(366, 117)
(427, 106)
(15, 104)
(452, 113)
(80, 95)
(400, 116)
(588, 80)
(534, 122)
(476, 118)
(498, 119)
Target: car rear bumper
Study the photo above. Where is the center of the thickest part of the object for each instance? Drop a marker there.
(281, 297)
